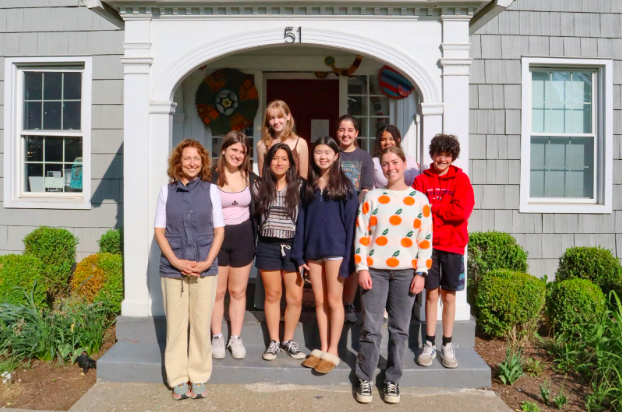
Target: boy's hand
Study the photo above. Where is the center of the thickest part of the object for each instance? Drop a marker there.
(417, 284)
(365, 279)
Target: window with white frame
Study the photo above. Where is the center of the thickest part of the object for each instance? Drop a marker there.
(370, 107)
(566, 129)
(48, 117)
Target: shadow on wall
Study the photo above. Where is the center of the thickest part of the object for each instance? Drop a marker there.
(110, 188)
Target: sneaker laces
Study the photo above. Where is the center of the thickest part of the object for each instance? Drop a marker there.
(428, 349)
(449, 350)
(235, 343)
(391, 388)
(365, 386)
(273, 347)
(292, 347)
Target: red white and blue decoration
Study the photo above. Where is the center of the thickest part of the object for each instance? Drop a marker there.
(227, 100)
(393, 84)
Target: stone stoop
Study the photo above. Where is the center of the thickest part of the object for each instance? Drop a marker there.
(138, 354)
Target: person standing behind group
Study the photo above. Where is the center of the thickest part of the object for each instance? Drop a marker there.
(451, 195)
(393, 254)
(322, 246)
(358, 165)
(234, 179)
(189, 229)
(386, 136)
(279, 127)
(278, 199)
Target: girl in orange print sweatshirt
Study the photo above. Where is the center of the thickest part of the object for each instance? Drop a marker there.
(393, 251)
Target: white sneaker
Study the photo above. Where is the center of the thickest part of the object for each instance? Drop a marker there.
(237, 348)
(218, 347)
(448, 356)
(427, 356)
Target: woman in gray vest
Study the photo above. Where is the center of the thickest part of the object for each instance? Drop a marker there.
(189, 228)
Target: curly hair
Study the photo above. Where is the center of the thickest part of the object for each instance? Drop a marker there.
(445, 143)
(231, 138)
(174, 162)
(393, 131)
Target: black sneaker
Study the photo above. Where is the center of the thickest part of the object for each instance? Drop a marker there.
(272, 351)
(391, 392)
(291, 348)
(350, 314)
(363, 394)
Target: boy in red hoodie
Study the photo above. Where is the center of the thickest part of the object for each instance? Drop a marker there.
(451, 196)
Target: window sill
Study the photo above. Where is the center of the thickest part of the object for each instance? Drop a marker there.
(49, 203)
(580, 208)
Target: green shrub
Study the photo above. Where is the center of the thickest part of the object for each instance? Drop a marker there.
(593, 263)
(99, 278)
(112, 242)
(494, 250)
(57, 249)
(510, 304)
(574, 304)
(19, 274)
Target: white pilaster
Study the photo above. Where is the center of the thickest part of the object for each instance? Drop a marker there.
(136, 189)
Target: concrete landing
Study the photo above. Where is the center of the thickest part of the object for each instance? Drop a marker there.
(272, 397)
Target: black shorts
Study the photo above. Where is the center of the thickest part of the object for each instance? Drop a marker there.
(275, 254)
(447, 271)
(238, 248)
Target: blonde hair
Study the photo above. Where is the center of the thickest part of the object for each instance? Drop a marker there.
(288, 133)
(174, 162)
(395, 150)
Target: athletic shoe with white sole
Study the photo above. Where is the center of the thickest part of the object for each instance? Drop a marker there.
(391, 392)
(218, 347)
(235, 345)
(272, 351)
(363, 394)
(427, 356)
(448, 356)
(291, 348)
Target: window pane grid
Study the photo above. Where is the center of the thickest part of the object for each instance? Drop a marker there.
(50, 102)
(369, 107)
(62, 173)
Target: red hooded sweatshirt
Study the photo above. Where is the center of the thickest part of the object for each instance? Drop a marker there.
(452, 200)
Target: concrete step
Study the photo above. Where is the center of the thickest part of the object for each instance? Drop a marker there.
(254, 331)
(142, 362)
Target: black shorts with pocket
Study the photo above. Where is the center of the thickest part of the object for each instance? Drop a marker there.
(447, 271)
(275, 254)
(238, 248)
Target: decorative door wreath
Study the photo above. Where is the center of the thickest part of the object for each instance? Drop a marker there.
(227, 100)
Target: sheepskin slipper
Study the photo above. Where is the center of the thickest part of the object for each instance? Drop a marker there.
(313, 359)
(327, 364)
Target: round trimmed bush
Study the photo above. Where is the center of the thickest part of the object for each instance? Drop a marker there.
(112, 242)
(494, 250)
(56, 247)
(574, 304)
(99, 278)
(510, 303)
(592, 263)
(22, 271)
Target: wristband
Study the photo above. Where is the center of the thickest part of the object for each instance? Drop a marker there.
(422, 274)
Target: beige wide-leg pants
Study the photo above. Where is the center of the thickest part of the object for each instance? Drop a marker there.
(188, 361)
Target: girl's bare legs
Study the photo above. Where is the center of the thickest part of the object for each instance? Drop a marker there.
(431, 309)
(238, 281)
(272, 302)
(293, 296)
(335, 302)
(219, 302)
(449, 312)
(322, 310)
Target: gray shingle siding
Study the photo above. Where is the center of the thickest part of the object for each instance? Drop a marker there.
(65, 27)
(555, 28)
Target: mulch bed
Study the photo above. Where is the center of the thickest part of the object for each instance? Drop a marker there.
(48, 385)
(527, 388)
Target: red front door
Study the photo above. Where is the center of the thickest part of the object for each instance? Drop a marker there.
(308, 100)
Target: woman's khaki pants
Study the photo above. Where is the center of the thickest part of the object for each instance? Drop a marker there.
(188, 360)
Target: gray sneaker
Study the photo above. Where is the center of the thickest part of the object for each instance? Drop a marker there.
(272, 351)
(427, 356)
(350, 313)
(218, 347)
(291, 348)
(237, 348)
(448, 356)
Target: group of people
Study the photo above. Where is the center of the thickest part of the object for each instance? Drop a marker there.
(335, 216)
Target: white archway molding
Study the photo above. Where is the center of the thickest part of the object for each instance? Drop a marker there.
(164, 87)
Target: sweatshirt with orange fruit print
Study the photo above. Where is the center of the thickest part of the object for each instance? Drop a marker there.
(394, 231)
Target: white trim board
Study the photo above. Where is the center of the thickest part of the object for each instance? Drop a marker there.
(603, 166)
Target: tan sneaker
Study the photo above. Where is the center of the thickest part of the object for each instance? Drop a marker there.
(427, 356)
(448, 356)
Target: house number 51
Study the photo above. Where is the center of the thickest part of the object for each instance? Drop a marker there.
(290, 36)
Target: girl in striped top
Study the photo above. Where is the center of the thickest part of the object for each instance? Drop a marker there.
(278, 197)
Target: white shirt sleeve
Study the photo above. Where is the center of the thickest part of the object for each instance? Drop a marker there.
(218, 219)
(160, 217)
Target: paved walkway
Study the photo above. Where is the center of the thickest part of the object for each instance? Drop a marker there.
(270, 397)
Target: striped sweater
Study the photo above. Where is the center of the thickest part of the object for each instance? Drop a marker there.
(277, 224)
(394, 231)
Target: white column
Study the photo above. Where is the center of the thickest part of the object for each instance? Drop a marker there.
(137, 199)
(456, 64)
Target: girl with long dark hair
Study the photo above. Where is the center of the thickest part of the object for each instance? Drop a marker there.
(322, 246)
(278, 200)
(387, 136)
(234, 178)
